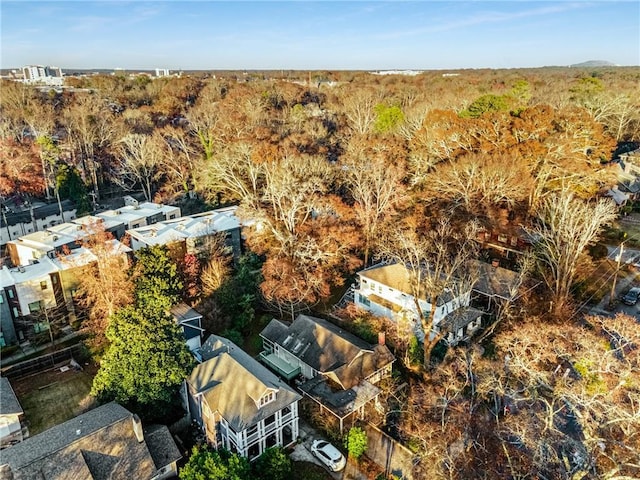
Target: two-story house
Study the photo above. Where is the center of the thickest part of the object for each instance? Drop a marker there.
(239, 404)
(386, 290)
(340, 370)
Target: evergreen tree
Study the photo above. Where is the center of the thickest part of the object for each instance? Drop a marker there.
(146, 361)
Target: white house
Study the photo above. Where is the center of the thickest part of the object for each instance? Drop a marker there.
(385, 290)
(238, 403)
(42, 286)
(12, 426)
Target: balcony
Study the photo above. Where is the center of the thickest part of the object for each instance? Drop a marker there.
(280, 366)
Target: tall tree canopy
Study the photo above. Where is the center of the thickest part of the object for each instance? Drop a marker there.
(146, 361)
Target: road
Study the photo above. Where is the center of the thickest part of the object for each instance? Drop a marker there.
(631, 257)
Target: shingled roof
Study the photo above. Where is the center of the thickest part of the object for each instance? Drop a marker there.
(9, 404)
(100, 444)
(325, 347)
(233, 382)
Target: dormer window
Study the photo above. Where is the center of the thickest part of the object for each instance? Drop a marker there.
(267, 398)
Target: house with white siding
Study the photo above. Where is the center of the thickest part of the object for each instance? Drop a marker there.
(385, 290)
(13, 428)
(239, 404)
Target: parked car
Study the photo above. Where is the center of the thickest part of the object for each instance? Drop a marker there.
(631, 297)
(329, 455)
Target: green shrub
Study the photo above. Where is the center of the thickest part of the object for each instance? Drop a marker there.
(356, 442)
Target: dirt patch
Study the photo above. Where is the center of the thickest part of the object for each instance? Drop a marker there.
(52, 397)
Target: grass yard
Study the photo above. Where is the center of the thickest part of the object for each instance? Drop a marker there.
(52, 397)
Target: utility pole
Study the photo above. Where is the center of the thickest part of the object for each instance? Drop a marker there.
(615, 276)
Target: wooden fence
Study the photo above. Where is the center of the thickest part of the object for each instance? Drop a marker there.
(41, 363)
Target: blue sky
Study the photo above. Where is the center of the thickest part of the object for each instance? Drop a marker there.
(327, 35)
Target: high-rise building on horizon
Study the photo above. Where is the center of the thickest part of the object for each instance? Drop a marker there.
(47, 75)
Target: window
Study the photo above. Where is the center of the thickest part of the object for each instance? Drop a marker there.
(267, 398)
(43, 285)
(35, 307)
(1, 299)
(10, 293)
(2, 342)
(16, 314)
(135, 225)
(40, 327)
(364, 300)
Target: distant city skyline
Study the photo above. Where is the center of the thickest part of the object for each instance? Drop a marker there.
(317, 35)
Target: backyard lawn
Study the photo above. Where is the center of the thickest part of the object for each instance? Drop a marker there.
(52, 397)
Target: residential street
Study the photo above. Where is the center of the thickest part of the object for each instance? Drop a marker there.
(630, 257)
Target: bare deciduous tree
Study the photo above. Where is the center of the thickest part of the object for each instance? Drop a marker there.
(565, 227)
(138, 162)
(376, 185)
(438, 265)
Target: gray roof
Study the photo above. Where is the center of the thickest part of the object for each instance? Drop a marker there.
(161, 445)
(325, 347)
(501, 282)
(183, 313)
(228, 367)
(460, 318)
(496, 281)
(99, 444)
(9, 404)
(44, 211)
(340, 402)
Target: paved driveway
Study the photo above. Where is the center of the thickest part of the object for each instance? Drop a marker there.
(302, 453)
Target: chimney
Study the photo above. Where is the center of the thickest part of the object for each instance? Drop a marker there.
(5, 472)
(381, 338)
(137, 428)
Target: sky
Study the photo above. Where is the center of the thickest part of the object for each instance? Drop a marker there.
(317, 35)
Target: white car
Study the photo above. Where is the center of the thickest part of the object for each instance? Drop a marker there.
(329, 455)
